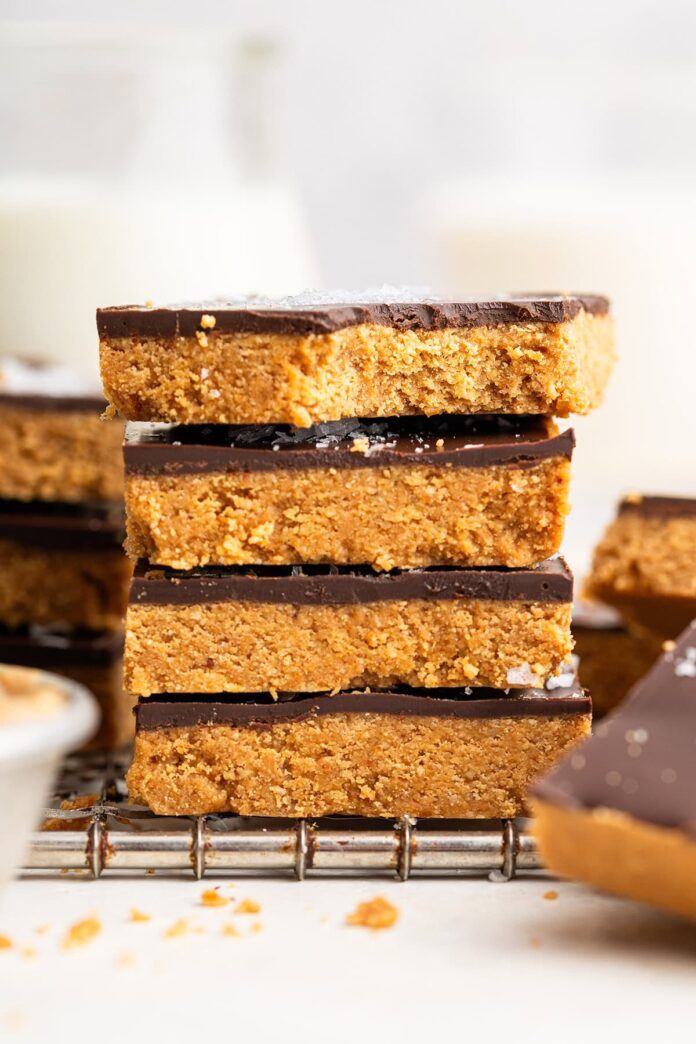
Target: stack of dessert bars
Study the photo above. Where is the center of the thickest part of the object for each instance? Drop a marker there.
(63, 574)
(344, 514)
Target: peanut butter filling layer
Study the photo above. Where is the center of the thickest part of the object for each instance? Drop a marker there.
(53, 586)
(404, 516)
(619, 854)
(612, 660)
(63, 455)
(250, 646)
(117, 724)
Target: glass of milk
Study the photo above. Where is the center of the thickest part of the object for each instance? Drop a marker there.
(135, 168)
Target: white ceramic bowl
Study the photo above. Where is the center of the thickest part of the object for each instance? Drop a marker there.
(30, 752)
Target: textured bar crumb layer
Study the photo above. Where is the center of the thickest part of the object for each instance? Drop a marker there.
(612, 661)
(355, 764)
(645, 566)
(619, 854)
(53, 586)
(404, 516)
(366, 370)
(239, 646)
(60, 455)
(117, 723)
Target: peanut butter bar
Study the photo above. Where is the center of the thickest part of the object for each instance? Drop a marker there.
(645, 564)
(620, 811)
(392, 493)
(53, 444)
(92, 658)
(62, 564)
(612, 656)
(315, 629)
(429, 753)
(318, 358)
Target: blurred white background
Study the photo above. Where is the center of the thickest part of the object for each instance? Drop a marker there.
(192, 149)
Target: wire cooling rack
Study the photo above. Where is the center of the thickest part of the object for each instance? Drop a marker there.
(98, 831)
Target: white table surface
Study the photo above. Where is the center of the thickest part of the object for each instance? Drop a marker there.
(468, 959)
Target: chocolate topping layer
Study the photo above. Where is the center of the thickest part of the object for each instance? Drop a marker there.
(551, 581)
(62, 526)
(658, 507)
(466, 441)
(52, 649)
(165, 711)
(55, 403)
(641, 760)
(289, 317)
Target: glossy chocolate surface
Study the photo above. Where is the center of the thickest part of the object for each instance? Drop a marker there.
(459, 441)
(165, 711)
(551, 581)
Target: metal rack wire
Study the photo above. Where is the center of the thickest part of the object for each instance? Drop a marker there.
(108, 834)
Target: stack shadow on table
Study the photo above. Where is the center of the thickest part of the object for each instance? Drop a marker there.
(63, 575)
(346, 516)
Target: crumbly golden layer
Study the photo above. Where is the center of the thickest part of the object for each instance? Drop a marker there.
(361, 371)
(257, 647)
(355, 764)
(59, 455)
(619, 854)
(645, 566)
(612, 661)
(404, 516)
(117, 722)
(47, 586)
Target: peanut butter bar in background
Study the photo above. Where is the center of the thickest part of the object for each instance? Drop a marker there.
(440, 753)
(92, 658)
(62, 565)
(392, 493)
(53, 444)
(645, 564)
(612, 657)
(619, 812)
(315, 629)
(322, 357)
